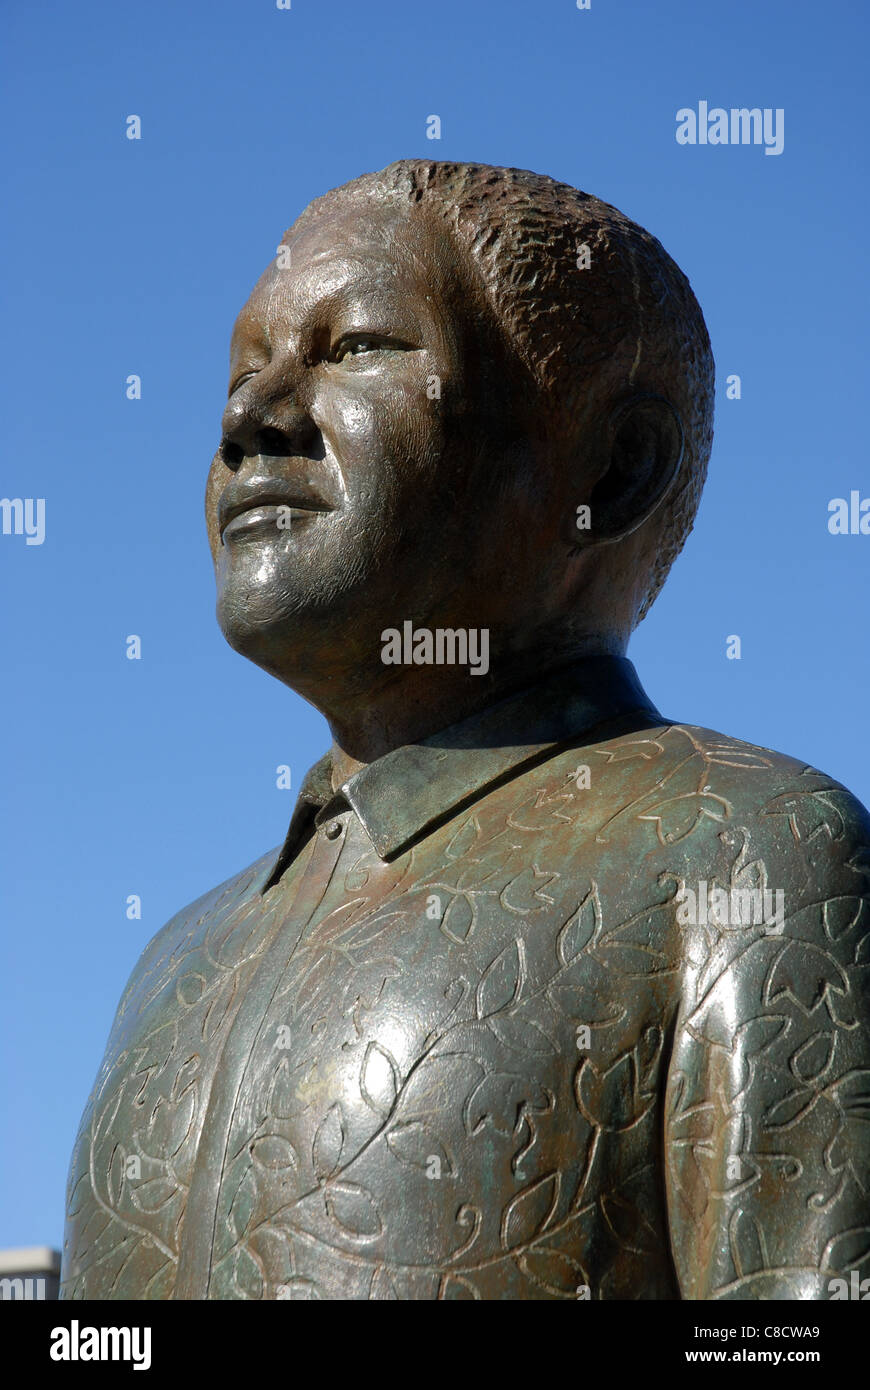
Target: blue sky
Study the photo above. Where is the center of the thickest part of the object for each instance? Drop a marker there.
(125, 257)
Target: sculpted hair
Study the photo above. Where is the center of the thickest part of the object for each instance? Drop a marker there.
(628, 325)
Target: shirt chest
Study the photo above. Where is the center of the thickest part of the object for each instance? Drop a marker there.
(438, 1077)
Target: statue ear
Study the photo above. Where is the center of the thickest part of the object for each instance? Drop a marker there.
(646, 450)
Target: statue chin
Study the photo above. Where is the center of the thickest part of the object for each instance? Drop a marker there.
(292, 636)
(264, 633)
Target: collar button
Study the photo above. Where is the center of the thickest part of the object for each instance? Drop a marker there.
(333, 830)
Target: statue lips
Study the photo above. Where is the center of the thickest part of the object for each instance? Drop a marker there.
(252, 503)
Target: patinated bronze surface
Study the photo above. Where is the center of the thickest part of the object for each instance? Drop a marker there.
(500, 1019)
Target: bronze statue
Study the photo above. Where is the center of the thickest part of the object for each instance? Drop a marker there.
(544, 996)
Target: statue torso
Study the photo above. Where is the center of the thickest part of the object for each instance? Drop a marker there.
(451, 1075)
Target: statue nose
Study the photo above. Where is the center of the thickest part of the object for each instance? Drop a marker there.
(281, 431)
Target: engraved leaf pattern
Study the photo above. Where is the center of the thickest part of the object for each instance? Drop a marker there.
(501, 982)
(471, 1106)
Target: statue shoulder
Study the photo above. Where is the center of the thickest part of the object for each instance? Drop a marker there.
(759, 783)
(740, 816)
(806, 831)
(188, 935)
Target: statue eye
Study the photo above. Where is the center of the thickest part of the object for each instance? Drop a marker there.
(354, 346)
(241, 381)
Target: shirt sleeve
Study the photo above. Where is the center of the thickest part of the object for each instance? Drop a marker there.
(767, 1128)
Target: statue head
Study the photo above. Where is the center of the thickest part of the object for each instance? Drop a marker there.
(442, 367)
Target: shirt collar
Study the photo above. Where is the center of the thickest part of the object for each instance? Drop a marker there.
(412, 789)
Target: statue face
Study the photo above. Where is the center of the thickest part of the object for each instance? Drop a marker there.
(372, 401)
